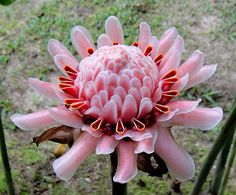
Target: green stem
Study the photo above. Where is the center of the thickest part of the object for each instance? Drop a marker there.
(220, 167)
(5, 161)
(228, 167)
(117, 188)
(217, 146)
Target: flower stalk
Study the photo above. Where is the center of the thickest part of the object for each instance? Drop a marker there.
(117, 188)
(228, 167)
(225, 133)
(5, 161)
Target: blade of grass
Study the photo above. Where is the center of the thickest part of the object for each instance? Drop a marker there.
(5, 161)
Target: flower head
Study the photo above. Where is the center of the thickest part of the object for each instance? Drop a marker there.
(123, 97)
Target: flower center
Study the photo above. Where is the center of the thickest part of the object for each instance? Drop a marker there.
(118, 87)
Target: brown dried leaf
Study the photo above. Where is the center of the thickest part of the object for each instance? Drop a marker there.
(61, 134)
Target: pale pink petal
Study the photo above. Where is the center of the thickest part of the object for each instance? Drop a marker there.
(204, 74)
(55, 48)
(91, 131)
(104, 40)
(178, 161)
(202, 118)
(183, 106)
(60, 94)
(66, 165)
(192, 65)
(144, 35)
(135, 135)
(145, 107)
(127, 162)
(147, 145)
(34, 120)
(109, 112)
(61, 61)
(114, 30)
(167, 40)
(172, 62)
(181, 83)
(157, 94)
(167, 116)
(154, 42)
(44, 88)
(94, 112)
(178, 44)
(106, 145)
(129, 109)
(81, 41)
(66, 117)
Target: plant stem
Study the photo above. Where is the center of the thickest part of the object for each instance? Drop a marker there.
(228, 167)
(217, 146)
(5, 161)
(220, 167)
(117, 188)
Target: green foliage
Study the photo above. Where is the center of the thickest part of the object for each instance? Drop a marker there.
(6, 2)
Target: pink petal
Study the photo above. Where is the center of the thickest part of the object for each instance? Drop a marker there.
(66, 117)
(127, 162)
(104, 40)
(167, 116)
(61, 61)
(135, 135)
(114, 30)
(55, 48)
(181, 83)
(183, 106)
(147, 145)
(178, 44)
(66, 165)
(178, 161)
(204, 74)
(202, 118)
(94, 112)
(172, 62)
(129, 109)
(34, 120)
(60, 94)
(106, 145)
(81, 41)
(192, 65)
(91, 131)
(154, 42)
(145, 107)
(167, 40)
(144, 35)
(44, 88)
(109, 112)
(157, 94)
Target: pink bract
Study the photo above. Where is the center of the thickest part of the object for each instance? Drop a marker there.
(122, 97)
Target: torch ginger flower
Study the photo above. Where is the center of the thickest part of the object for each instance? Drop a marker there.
(123, 97)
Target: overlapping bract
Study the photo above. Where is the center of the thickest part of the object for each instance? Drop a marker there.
(122, 98)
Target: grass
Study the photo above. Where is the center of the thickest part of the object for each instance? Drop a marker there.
(25, 28)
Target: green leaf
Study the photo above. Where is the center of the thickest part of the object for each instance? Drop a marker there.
(6, 2)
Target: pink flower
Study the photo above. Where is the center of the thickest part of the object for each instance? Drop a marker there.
(122, 97)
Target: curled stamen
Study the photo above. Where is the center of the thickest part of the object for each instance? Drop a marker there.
(138, 124)
(69, 89)
(68, 102)
(168, 95)
(162, 109)
(65, 80)
(135, 44)
(120, 128)
(90, 51)
(71, 72)
(78, 105)
(158, 59)
(96, 125)
(115, 43)
(148, 50)
(171, 73)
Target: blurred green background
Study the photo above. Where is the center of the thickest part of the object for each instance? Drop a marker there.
(25, 28)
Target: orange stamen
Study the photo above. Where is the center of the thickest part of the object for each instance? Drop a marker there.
(158, 59)
(96, 125)
(162, 109)
(90, 51)
(135, 44)
(138, 124)
(120, 128)
(168, 95)
(71, 72)
(148, 50)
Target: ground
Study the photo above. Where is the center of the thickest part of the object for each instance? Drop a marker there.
(25, 28)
